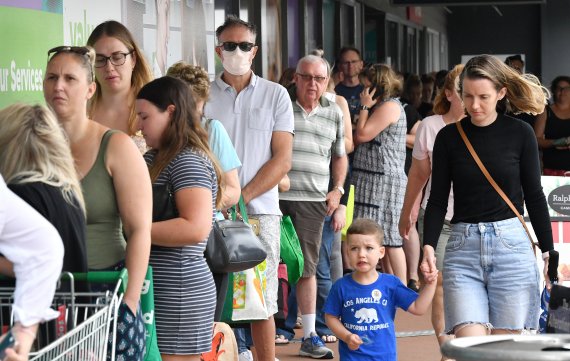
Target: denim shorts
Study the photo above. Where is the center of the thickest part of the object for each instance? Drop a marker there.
(490, 277)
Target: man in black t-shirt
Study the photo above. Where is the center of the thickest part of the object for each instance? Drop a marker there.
(350, 64)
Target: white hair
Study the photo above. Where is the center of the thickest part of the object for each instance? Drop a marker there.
(311, 59)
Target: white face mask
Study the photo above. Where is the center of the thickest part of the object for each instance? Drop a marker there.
(236, 62)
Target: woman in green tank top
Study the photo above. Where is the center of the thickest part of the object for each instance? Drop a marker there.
(115, 180)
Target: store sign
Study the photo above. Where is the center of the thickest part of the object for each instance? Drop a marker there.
(414, 14)
(557, 192)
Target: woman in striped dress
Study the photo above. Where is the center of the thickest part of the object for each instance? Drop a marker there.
(184, 291)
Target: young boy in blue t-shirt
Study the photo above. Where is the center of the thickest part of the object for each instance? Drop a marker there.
(361, 306)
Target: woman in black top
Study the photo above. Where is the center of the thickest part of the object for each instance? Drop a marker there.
(38, 167)
(552, 129)
(490, 277)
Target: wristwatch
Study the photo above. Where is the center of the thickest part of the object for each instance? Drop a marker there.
(340, 189)
(364, 107)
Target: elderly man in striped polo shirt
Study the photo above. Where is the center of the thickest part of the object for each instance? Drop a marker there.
(318, 143)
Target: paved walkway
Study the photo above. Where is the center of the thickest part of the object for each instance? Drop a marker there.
(415, 338)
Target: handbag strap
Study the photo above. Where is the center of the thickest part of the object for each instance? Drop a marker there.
(241, 213)
(492, 181)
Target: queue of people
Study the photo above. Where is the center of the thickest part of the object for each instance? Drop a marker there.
(79, 166)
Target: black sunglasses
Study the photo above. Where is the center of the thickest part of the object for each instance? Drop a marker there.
(79, 50)
(231, 46)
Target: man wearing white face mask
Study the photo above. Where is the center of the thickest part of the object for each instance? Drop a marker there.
(258, 117)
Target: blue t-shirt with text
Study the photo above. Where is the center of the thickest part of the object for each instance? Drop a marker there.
(369, 311)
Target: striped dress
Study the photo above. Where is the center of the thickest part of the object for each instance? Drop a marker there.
(184, 290)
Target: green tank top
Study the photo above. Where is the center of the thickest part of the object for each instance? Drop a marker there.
(105, 242)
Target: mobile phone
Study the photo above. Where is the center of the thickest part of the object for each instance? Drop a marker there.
(379, 90)
(7, 342)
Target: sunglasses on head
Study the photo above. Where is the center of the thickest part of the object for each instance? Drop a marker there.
(79, 50)
(231, 46)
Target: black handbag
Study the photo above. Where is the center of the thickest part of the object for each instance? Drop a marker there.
(163, 203)
(232, 244)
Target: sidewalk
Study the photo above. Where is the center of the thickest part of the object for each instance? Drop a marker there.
(410, 347)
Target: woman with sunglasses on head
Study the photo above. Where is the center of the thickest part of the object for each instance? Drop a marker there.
(181, 163)
(552, 129)
(490, 276)
(121, 70)
(379, 157)
(115, 182)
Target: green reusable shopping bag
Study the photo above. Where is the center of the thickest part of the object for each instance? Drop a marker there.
(290, 250)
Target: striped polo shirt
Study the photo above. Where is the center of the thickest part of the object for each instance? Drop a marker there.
(318, 136)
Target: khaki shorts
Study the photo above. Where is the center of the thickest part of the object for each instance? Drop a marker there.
(308, 219)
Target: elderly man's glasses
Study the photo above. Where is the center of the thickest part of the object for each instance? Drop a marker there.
(308, 78)
(231, 46)
(118, 58)
(563, 89)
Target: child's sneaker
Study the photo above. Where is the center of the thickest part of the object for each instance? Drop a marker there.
(314, 347)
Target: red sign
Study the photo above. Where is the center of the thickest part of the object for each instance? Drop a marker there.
(414, 14)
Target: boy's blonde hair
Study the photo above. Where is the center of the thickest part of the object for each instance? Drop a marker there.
(366, 227)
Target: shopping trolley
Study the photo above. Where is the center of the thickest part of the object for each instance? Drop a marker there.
(85, 322)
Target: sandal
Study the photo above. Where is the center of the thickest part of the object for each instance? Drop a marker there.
(413, 285)
(281, 340)
(328, 338)
(298, 323)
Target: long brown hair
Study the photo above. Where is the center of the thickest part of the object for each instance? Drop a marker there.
(525, 94)
(142, 73)
(183, 131)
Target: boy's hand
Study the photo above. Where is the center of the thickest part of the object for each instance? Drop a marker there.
(430, 277)
(353, 341)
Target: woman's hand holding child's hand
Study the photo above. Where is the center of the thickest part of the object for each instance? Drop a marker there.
(428, 268)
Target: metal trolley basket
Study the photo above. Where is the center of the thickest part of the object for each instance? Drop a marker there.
(82, 332)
